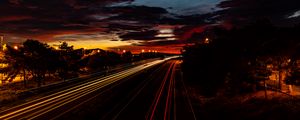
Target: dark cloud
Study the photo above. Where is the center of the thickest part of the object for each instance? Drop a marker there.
(122, 26)
(86, 20)
(49, 18)
(144, 14)
(34, 17)
(142, 35)
(149, 17)
(240, 13)
(136, 10)
(163, 43)
(245, 11)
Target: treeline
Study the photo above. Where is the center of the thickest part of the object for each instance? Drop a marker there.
(239, 60)
(35, 61)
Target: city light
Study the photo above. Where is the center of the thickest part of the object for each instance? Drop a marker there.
(206, 41)
(16, 47)
(143, 50)
(124, 51)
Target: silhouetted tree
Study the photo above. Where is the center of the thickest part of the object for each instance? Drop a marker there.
(65, 46)
(232, 58)
(127, 56)
(69, 64)
(96, 62)
(16, 64)
(37, 55)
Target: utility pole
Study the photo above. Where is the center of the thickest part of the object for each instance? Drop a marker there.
(1, 41)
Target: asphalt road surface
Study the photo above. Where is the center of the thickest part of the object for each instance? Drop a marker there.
(152, 91)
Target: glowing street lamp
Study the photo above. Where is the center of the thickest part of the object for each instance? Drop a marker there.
(124, 51)
(83, 50)
(206, 41)
(16, 47)
(143, 50)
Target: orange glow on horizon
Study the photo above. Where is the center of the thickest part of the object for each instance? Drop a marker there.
(93, 44)
(122, 46)
(172, 49)
(107, 44)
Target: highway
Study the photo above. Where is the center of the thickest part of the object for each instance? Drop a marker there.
(150, 91)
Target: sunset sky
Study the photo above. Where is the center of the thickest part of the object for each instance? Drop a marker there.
(162, 25)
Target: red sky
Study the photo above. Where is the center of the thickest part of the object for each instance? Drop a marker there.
(132, 24)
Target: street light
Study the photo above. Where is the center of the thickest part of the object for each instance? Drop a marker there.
(83, 50)
(206, 41)
(16, 47)
(143, 50)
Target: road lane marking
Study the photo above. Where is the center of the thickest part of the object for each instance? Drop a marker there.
(139, 91)
(75, 89)
(61, 95)
(169, 95)
(188, 97)
(57, 98)
(69, 89)
(160, 92)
